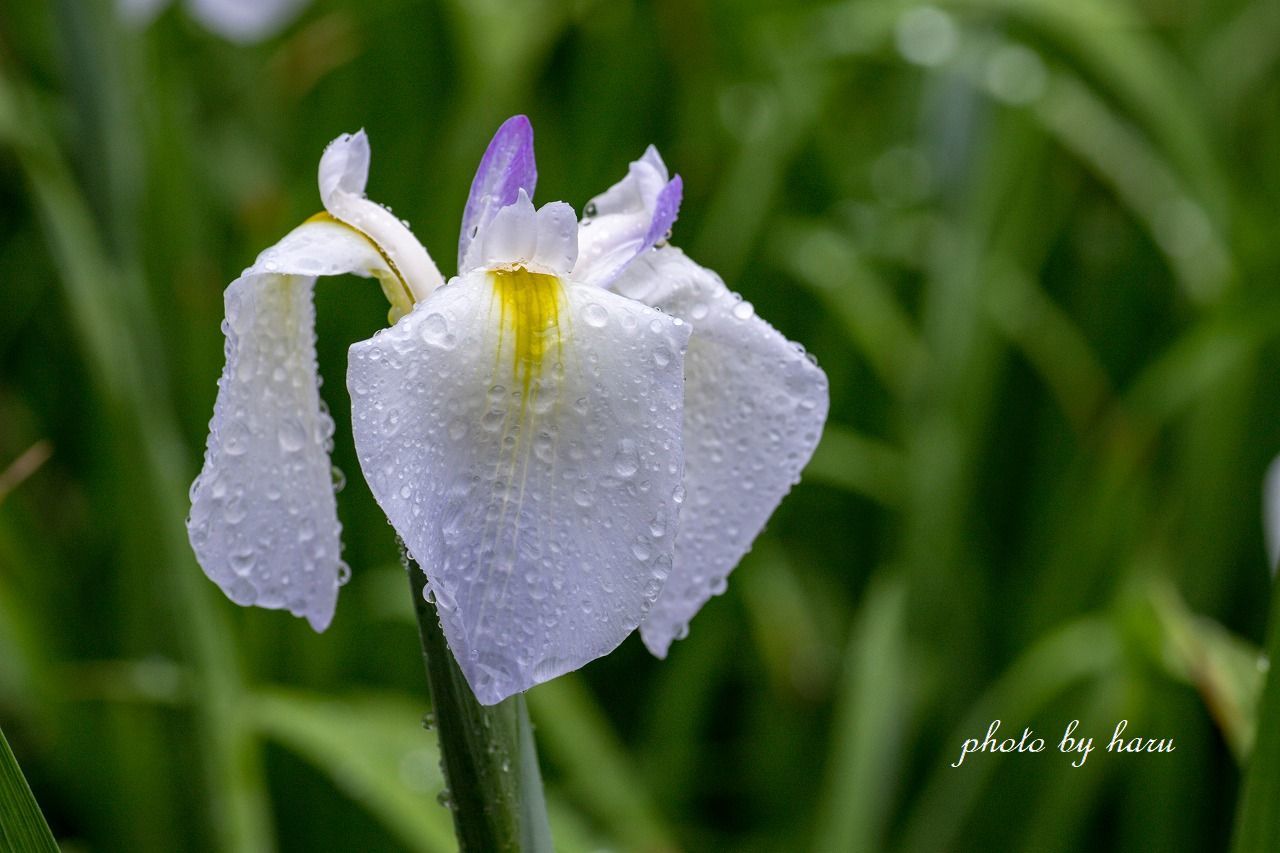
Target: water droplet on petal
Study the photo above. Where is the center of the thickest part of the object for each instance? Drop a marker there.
(292, 435)
(626, 462)
(242, 561)
(235, 439)
(435, 332)
(595, 314)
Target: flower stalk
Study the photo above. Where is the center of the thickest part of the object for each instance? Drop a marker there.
(492, 783)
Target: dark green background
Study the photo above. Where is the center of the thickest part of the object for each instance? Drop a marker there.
(1040, 274)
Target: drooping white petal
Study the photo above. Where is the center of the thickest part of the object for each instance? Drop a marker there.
(343, 173)
(627, 219)
(245, 21)
(1271, 513)
(263, 521)
(522, 434)
(755, 405)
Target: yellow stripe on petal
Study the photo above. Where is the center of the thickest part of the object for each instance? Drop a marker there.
(529, 306)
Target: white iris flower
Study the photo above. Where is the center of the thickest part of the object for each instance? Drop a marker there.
(559, 455)
(241, 21)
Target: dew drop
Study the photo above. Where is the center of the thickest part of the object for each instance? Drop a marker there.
(626, 462)
(595, 315)
(242, 561)
(743, 310)
(292, 435)
(234, 512)
(435, 332)
(235, 439)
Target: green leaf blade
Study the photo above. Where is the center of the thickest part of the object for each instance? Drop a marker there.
(23, 828)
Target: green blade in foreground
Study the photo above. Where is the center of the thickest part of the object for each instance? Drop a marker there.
(22, 827)
(1258, 821)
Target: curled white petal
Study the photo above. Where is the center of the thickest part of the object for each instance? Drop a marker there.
(522, 434)
(245, 20)
(263, 521)
(344, 166)
(617, 223)
(755, 405)
(343, 174)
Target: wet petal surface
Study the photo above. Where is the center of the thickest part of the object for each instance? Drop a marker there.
(755, 405)
(263, 521)
(522, 434)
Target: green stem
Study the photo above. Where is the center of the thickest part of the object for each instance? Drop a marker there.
(493, 786)
(1258, 820)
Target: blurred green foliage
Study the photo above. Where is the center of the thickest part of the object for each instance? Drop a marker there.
(1032, 243)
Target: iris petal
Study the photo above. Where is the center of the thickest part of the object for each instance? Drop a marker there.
(522, 434)
(511, 237)
(343, 173)
(263, 521)
(755, 405)
(627, 220)
(506, 168)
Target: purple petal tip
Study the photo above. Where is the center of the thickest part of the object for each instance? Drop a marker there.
(665, 211)
(507, 167)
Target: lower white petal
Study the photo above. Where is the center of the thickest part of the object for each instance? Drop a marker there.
(755, 404)
(263, 521)
(522, 434)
